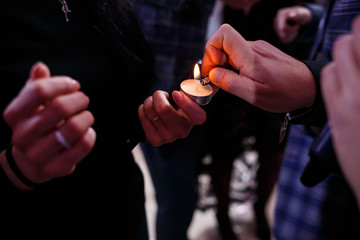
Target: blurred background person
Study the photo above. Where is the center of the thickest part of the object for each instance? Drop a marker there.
(240, 120)
(327, 210)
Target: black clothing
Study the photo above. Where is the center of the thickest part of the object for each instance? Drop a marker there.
(104, 197)
(259, 25)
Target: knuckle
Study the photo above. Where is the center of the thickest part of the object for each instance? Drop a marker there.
(225, 27)
(58, 107)
(38, 90)
(162, 108)
(147, 106)
(83, 98)
(68, 80)
(208, 48)
(75, 127)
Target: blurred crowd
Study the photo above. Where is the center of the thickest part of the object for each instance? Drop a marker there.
(84, 82)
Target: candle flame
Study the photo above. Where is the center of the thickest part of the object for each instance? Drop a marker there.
(197, 72)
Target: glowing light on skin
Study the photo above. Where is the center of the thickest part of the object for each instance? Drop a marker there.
(195, 90)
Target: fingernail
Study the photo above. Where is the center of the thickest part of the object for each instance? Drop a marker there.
(177, 96)
(73, 82)
(215, 76)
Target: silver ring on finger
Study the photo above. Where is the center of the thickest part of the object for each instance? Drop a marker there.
(157, 118)
(61, 140)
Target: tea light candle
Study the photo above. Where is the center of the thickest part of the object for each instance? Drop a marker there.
(197, 92)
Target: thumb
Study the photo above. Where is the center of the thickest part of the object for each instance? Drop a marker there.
(225, 79)
(234, 83)
(39, 70)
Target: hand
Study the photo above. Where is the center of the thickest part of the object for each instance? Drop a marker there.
(164, 124)
(288, 22)
(268, 78)
(341, 88)
(45, 105)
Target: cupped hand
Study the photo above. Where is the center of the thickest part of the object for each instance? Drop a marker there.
(163, 123)
(47, 105)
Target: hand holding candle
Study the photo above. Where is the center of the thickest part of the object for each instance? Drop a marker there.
(162, 123)
(165, 119)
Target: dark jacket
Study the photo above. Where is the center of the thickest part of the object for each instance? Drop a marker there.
(103, 49)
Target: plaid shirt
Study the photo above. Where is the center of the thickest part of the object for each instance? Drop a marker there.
(328, 210)
(176, 33)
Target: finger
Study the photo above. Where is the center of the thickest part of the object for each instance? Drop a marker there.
(234, 83)
(77, 125)
(63, 163)
(61, 108)
(171, 124)
(162, 108)
(174, 123)
(193, 111)
(39, 70)
(72, 130)
(149, 109)
(280, 21)
(151, 133)
(36, 93)
(166, 131)
(226, 43)
(330, 87)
